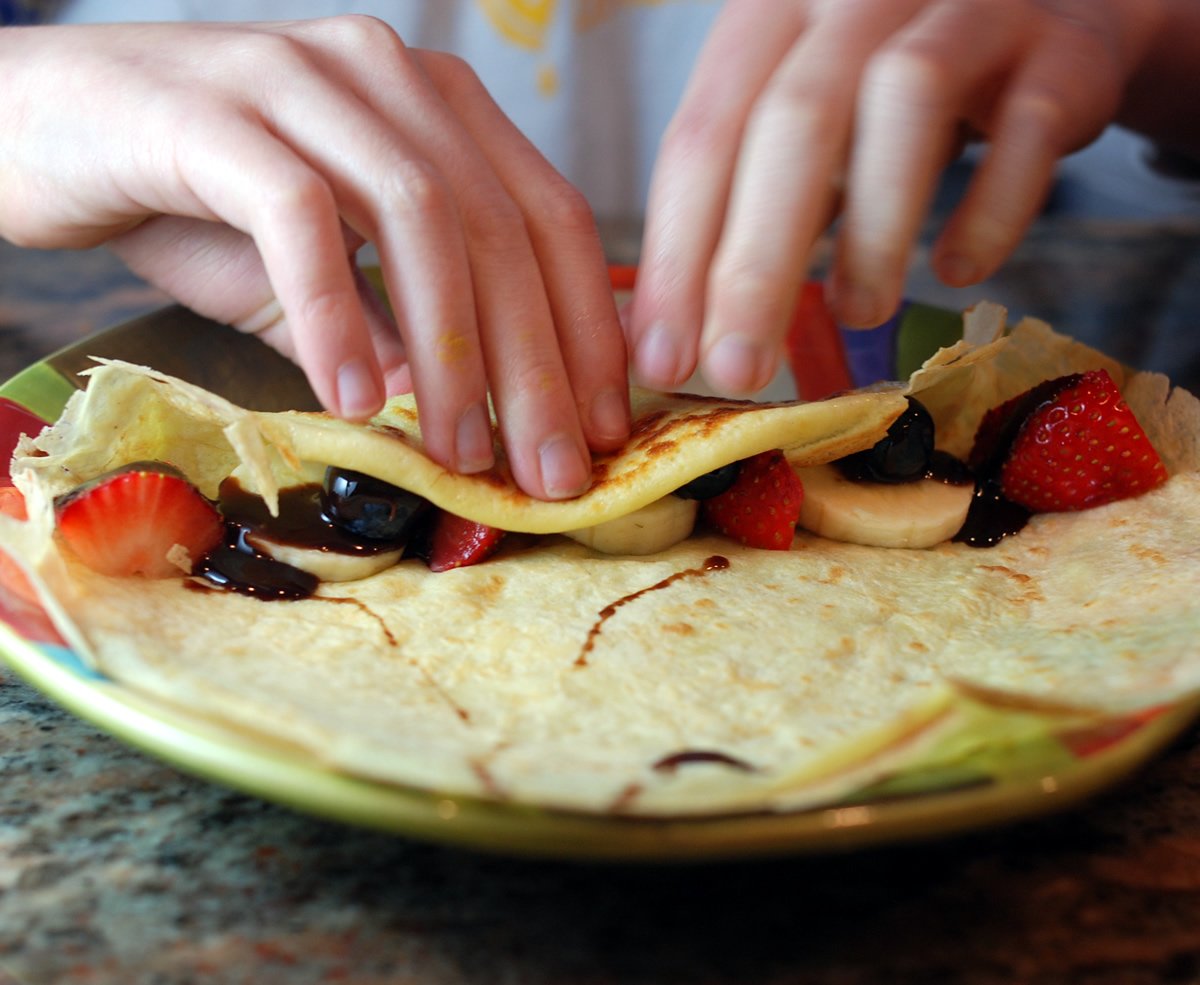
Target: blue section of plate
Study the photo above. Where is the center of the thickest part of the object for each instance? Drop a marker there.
(69, 660)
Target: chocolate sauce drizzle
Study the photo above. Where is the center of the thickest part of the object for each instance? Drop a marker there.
(669, 764)
(992, 516)
(714, 563)
(237, 565)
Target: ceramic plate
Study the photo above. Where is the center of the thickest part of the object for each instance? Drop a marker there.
(989, 765)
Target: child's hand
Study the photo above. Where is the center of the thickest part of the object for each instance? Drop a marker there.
(240, 167)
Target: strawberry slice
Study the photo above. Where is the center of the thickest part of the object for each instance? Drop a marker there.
(1000, 426)
(1081, 447)
(455, 542)
(127, 522)
(762, 507)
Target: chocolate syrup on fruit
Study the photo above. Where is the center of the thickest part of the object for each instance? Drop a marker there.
(301, 521)
(236, 564)
(714, 563)
(992, 516)
(945, 468)
(239, 567)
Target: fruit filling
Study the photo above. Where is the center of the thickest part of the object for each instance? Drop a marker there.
(1067, 444)
(1070, 443)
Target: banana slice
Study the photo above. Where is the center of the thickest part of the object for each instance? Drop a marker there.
(326, 565)
(649, 530)
(907, 514)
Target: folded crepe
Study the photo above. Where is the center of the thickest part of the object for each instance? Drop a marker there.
(554, 676)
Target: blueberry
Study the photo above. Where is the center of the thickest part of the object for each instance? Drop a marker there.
(368, 507)
(711, 483)
(902, 455)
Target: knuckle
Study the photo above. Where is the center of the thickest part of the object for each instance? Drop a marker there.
(695, 134)
(1040, 111)
(271, 55)
(304, 195)
(914, 71)
(451, 71)
(748, 286)
(536, 374)
(794, 109)
(494, 223)
(413, 188)
(363, 35)
(561, 206)
(324, 311)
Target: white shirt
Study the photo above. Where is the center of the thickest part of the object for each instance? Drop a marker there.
(593, 83)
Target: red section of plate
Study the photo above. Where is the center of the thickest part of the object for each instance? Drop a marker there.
(1097, 738)
(814, 347)
(622, 277)
(17, 608)
(15, 421)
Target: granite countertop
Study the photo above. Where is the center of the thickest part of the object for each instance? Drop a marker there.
(115, 868)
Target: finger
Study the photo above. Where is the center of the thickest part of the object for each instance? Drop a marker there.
(385, 337)
(566, 244)
(425, 263)
(389, 189)
(515, 331)
(785, 186)
(1056, 103)
(916, 91)
(216, 270)
(254, 182)
(691, 182)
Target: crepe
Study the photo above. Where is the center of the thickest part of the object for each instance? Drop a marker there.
(708, 678)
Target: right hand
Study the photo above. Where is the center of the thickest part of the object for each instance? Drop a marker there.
(239, 167)
(801, 110)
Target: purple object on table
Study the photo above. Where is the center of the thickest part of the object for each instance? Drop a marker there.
(871, 352)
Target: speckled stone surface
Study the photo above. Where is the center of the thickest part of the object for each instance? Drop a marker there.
(117, 869)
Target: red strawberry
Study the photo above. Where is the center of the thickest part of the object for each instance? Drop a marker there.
(1080, 448)
(1001, 424)
(761, 508)
(814, 347)
(455, 542)
(126, 522)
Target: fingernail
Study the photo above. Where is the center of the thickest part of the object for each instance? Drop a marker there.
(358, 391)
(736, 364)
(658, 356)
(564, 471)
(610, 415)
(958, 269)
(473, 445)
